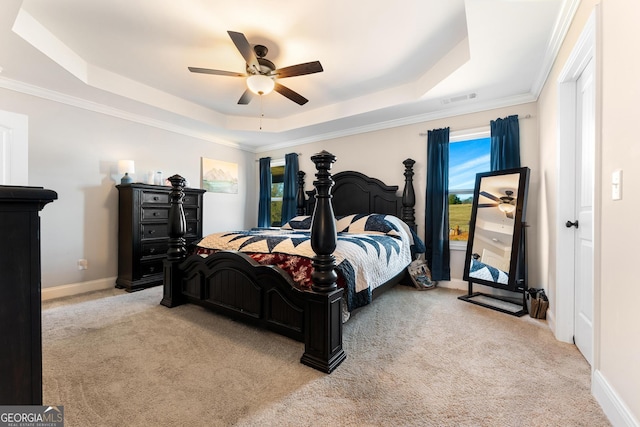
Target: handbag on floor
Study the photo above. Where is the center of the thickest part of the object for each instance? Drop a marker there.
(537, 303)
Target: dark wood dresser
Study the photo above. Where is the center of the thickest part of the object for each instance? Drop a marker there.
(20, 294)
(143, 231)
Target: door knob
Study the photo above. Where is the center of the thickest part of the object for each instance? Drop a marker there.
(570, 224)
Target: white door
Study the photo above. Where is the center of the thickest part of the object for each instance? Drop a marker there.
(14, 149)
(585, 163)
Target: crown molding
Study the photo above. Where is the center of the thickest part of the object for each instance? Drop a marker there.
(73, 101)
(560, 30)
(476, 107)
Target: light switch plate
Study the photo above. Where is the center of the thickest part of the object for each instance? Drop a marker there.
(616, 184)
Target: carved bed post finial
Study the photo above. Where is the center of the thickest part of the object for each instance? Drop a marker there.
(409, 195)
(177, 243)
(323, 228)
(300, 198)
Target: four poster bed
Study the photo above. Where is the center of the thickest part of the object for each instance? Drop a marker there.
(228, 272)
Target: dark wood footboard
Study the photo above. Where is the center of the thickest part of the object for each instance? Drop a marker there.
(235, 285)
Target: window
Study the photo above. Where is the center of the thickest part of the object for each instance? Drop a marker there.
(469, 154)
(277, 191)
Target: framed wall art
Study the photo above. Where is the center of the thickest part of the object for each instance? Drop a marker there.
(219, 176)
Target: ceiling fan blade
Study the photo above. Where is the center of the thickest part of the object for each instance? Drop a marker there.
(487, 205)
(490, 196)
(246, 97)
(216, 72)
(294, 96)
(245, 49)
(509, 215)
(299, 70)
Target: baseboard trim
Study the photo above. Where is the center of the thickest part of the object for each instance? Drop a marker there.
(77, 288)
(453, 284)
(614, 408)
(551, 322)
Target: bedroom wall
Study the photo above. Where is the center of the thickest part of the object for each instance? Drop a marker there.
(619, 314)
(616, 374)
(380, 154)
(74, 152)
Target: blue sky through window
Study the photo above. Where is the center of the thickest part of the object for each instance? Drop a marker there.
(466, 159)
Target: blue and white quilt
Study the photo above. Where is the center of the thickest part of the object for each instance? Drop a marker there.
(371, 249)
(479, 270)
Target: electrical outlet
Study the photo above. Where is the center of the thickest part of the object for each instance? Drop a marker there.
(83, 264)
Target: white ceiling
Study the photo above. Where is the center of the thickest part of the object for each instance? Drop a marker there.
(385, 63)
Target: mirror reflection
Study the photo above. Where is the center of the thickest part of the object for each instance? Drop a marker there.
(495, 230)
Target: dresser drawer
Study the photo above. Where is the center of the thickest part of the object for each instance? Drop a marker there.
(155, 248)
(190, 200)
(152, 267)
(153, 197)
(155, 213)
(191, 214)
(154, 231)
(193, 229)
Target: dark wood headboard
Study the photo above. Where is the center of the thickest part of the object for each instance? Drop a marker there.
(355, 192)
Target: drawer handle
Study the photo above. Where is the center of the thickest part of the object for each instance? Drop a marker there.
(156, 198)
(152, 231)
(152, 250)
(155, 214)
(187, 214)
(190, 229)
(152, 269)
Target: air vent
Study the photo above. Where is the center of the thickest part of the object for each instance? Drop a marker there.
(459, 98)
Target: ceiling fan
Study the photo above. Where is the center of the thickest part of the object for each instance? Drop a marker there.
(261, 73)
(504, 203)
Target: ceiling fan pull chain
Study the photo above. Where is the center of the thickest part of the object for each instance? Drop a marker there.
(261, 112)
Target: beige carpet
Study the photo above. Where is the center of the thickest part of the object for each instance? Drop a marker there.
(413, 359)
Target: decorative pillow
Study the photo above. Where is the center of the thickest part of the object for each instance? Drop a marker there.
(298, 223)
(366, 224)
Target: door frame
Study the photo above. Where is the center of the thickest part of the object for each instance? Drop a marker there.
(14, 148)
(583, 51)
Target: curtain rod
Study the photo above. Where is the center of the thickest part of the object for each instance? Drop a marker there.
(528, 116)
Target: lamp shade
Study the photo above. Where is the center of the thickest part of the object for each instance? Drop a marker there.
(260, 84)
(506, 207)
(126, 166)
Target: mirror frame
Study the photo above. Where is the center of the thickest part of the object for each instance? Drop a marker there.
(517, 281)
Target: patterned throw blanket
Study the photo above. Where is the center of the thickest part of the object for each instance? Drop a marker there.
(479, 270)
(371, 250)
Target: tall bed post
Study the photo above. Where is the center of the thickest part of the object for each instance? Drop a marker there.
(301, 202)
(409, 195)
(323, 313)
(177, 244)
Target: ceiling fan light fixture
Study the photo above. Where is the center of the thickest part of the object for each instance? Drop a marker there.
(506, 207)
(260, 84)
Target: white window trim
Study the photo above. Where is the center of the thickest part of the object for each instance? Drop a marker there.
(457, 245)
(467, 134)
(277, 162)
